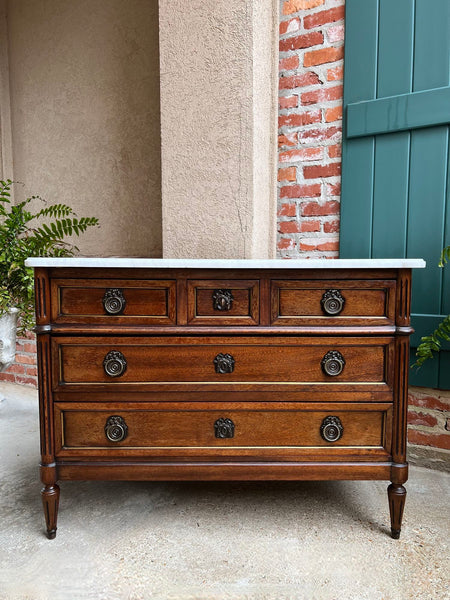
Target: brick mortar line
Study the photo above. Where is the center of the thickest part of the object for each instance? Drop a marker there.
(429, 392)
(433, 430)
(310, 11)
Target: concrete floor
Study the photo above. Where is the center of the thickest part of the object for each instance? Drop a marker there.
(205, 541)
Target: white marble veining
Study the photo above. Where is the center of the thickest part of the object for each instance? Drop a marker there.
(206, 263)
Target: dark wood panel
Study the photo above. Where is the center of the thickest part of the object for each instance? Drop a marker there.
(259, 398)
(150, 302)
(166, 360)
(82, 426)
(224, 471)
(243, 306)
(240, 330)
(220, 274)
(300, 302)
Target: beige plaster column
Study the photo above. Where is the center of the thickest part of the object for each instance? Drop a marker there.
(218, 68)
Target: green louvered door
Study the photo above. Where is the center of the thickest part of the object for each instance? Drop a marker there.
(396, 176)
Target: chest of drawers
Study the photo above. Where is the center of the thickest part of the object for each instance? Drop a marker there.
(222, 370)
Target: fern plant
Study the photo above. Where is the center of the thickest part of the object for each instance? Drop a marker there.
(429, 344)
(25, 233)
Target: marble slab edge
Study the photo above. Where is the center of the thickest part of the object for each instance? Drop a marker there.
(200, 263)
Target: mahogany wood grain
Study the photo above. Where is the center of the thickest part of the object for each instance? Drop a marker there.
(259, 399)
(83, 426)
(50, 501)
(233, 274)
(365, 302)
(223, 471)
(244, 305)
(397, 497)
(151, 302)
(185, 360)
(238, 330)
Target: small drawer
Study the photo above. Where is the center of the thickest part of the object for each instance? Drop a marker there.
(223, 302)
(110, 426)
(221, 362)
(114, 301)
(331, 302)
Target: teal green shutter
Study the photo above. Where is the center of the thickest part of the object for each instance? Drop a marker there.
(395, 165)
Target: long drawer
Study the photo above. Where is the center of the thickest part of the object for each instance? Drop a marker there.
(223, 362)
(137, 428)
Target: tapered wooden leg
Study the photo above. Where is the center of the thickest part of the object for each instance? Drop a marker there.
(397, 497)
(50, 501)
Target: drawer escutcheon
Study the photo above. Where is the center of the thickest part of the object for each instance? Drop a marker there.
(116, 430)
(114, 301)
(222, 300)
(224, 363)
(333, 363)
(332, 302)
(331, 429)
(224, 428)
(114, 364)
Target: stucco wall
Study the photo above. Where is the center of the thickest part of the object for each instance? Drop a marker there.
(84, 82)
(217, 94)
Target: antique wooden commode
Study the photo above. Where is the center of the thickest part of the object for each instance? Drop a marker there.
(153, 369)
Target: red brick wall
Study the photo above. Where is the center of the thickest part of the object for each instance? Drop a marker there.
(429, 418)
(24, 370)
(310, 132)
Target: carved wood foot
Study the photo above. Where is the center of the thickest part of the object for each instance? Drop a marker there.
(397, 497)
(50, 501)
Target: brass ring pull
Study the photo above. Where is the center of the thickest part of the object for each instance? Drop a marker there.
(332, 302)
(114, 301)
(333, 363)
(331, 429)
(116, 429)
(114, 364)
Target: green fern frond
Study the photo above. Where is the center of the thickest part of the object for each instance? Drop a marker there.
(57, 211)
(432, 343)
(19, 240)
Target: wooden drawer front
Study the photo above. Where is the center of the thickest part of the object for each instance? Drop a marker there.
(87, 426)
(219, 361)
(145, 302)
(223, 302)
(369, 302)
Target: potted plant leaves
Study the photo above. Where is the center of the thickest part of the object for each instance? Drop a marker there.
(432, 343)
(26, 232)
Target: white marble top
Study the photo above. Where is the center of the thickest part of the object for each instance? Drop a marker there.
(206, 263)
